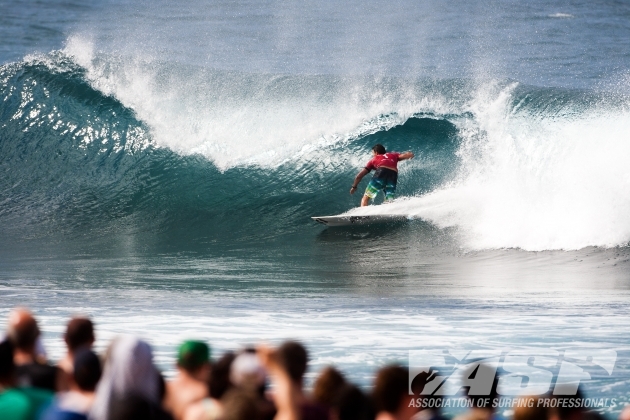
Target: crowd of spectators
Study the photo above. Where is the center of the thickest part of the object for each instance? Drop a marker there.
(261, 383)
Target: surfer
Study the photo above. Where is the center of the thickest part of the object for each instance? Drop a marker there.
(386, 175)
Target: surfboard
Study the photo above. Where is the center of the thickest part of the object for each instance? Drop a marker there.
(357, 220)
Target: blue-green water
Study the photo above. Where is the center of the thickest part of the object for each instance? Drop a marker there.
(159, 166)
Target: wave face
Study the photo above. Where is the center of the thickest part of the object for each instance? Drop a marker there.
(95, 144)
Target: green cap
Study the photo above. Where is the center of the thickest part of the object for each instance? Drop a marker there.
(192, 354)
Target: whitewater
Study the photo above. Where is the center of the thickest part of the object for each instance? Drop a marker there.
(160, 166)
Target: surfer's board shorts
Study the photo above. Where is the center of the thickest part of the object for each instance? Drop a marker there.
(385, 180)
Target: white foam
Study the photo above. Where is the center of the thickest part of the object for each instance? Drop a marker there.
(561, 15)
(240, 119)
(534, 182)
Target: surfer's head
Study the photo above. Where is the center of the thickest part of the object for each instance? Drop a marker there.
(379, 149)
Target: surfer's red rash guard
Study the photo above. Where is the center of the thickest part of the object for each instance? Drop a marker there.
(387, 160)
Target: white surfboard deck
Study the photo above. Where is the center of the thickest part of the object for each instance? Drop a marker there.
(349, 220)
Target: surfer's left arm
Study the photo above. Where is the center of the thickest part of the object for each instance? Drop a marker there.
(406, 155)
(358, 179)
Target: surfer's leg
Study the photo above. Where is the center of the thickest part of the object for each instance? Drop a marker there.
(372, 189)
(390, 191)
(390, 188)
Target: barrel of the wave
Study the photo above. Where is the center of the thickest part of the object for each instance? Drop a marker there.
(385, 165)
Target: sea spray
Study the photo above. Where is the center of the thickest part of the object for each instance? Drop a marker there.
(236, 119)
(553, 176)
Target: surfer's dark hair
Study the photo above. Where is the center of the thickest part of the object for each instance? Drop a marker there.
(379, 149)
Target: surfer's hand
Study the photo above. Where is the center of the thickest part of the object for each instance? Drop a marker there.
(352, 190)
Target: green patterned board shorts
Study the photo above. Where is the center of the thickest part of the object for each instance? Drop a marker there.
(384, 179)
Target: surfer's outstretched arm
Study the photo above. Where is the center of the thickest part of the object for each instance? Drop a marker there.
(358, 179)
(406, 155)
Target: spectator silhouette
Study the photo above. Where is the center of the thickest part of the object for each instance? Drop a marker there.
(31, 370)
(193, 374)
(327, 386)
(287, 365)
(131, 385)
(352, 404)
(212, 407)
(79, 334)
(18, 403)
(76, 403)
(391, 394)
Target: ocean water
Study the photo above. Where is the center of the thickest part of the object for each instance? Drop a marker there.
(160, 163)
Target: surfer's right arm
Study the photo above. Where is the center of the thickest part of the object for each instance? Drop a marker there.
(358, 179)
(406, 155)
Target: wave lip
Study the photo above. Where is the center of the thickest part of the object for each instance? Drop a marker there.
(235, 119)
